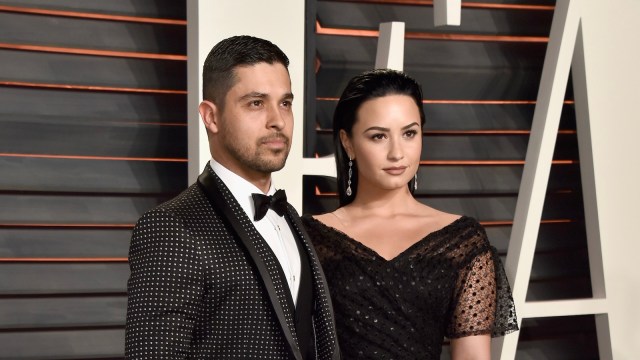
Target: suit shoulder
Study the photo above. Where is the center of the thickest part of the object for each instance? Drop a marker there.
(169, 221)
(188, 203)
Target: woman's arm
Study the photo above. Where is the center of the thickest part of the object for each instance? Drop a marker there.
(476, 347)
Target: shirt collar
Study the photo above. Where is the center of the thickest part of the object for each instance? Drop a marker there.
(240, 188)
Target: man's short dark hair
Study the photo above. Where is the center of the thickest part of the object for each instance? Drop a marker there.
(218, 74)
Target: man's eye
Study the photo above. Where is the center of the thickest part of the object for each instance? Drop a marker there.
(256, 103)
(287, 103)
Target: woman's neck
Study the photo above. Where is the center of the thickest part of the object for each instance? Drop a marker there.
(383, 202)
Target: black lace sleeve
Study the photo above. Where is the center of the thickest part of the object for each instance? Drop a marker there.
(482, 302)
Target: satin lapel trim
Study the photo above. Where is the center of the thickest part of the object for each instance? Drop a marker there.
(208, 183)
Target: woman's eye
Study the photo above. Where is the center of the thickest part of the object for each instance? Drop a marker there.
(377, 136)
(411, 133)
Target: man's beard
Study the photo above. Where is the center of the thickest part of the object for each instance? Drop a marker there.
(261, 159)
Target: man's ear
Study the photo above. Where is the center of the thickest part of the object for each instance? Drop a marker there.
(346, 144)
(209, 115)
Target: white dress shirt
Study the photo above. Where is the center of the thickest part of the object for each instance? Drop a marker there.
(273, 227)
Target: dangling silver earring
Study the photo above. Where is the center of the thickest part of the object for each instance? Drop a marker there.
(415, 182)
(349, 178)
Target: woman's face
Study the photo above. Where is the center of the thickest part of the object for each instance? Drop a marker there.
(386, 142)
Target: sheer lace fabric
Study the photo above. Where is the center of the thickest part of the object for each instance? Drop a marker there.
(451, 283)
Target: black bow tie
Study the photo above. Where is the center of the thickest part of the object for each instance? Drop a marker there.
(262, 203)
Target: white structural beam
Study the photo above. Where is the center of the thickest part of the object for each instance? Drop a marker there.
(587, 169)
(597, 59)
(536, 309)
(447, 12)
(610, 74)
(199, 37)
(588, 180)
(324, 166)
(390, 52)
(535, 176)
(546, 119)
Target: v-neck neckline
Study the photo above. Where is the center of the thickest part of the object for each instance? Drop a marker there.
(400, 254)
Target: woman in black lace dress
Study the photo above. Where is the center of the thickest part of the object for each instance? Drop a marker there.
(402, 275)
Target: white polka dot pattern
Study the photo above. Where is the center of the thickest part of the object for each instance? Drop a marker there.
(195, 293)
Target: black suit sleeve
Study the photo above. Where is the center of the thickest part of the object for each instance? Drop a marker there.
(164, 290)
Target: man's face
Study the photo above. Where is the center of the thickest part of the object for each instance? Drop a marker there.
(256, 124)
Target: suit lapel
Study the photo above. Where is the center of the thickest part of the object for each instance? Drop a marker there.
(226, 205)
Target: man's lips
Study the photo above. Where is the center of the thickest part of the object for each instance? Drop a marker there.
(278, 141)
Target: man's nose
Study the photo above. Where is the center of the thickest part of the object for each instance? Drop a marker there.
(276, 118)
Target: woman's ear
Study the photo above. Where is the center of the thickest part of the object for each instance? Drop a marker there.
(209, 115)
(346, 144)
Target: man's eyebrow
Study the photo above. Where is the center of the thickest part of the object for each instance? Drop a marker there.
(259, 95)
(254, 94)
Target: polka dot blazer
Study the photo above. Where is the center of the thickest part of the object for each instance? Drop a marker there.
(204, 284)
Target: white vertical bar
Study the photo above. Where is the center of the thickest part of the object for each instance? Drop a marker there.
(390, 52)
(587, 171)
(612, 55)
(198, 145)
(533, 186)
(590, 200)
(447, 12)
(324, 166)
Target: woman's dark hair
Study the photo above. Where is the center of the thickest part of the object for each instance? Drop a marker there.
(218, 75)
(366, 86)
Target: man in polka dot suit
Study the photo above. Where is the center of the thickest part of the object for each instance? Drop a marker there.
(213, 274)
